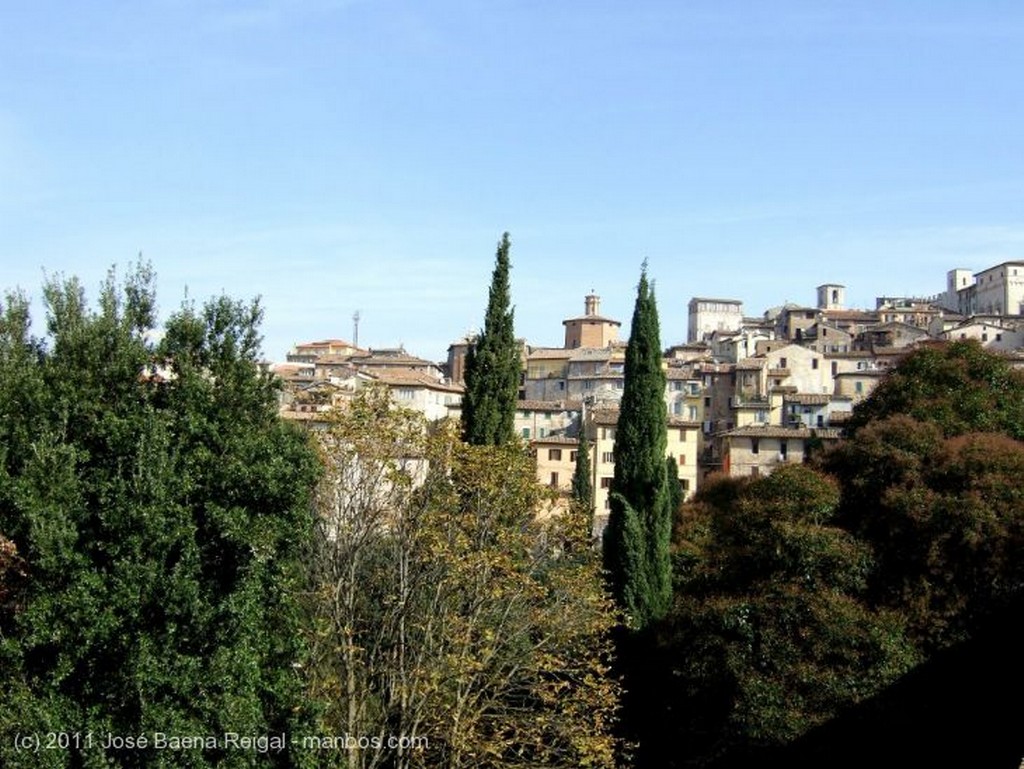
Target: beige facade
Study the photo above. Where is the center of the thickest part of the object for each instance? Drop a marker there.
(754, 451)
(683, 444)
(537, 420)
(999, 290)
(556, 464)
(857, 385)
(546, 376)
(684, 393)
(992, 336)
(597, 374)
(420, 392)
(307, 352)
(707, 316)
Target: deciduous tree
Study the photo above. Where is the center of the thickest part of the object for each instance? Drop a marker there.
(446, 611)
(771, 633)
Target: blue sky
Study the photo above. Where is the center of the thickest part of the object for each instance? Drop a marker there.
(335, 155)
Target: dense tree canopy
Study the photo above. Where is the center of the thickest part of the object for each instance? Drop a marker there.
(929, 477)
(158, 507)
(770, 633)
(493, 365)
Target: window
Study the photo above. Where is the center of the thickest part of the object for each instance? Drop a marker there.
(707, 403)
(572, 456)
(677, 386)
(783, 449)
(555, 455)
(755, 446)
(606, 483)
(543, 432)
(682, 459)
(782, 363)
(814, 363)
(554, 480)
(526, 433)
(406, 393)
(858, 387)
(608, 457)
(692, 413)
(684, 484)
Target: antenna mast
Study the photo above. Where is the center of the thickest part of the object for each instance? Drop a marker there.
(355, 329)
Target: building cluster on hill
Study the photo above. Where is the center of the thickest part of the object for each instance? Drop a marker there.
(743, 394)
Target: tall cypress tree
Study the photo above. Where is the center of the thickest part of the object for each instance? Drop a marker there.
(636, 541)
(493, 366)
(582, 488)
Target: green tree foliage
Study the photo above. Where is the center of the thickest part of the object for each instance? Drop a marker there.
(636, 541)
(493, 366)
(928, 478)
(770, 634)
(958, 387)
(445, 610)
(159, 507)
(582, 486)
(944, 517)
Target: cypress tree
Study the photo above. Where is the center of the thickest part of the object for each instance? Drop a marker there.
(493, 366)
(582, 488)
(636, 540)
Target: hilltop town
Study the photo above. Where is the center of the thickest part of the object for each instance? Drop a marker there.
(744, 394)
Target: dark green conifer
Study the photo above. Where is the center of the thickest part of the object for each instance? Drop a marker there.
(582, 488)
(493, 366)
(636, 541)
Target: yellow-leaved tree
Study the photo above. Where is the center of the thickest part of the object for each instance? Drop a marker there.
(453, 627)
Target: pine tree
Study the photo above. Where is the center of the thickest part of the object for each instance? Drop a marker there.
(636, 541)
(493, 366)
(582, 488)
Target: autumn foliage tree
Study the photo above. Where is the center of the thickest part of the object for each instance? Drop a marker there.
(445, 610)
